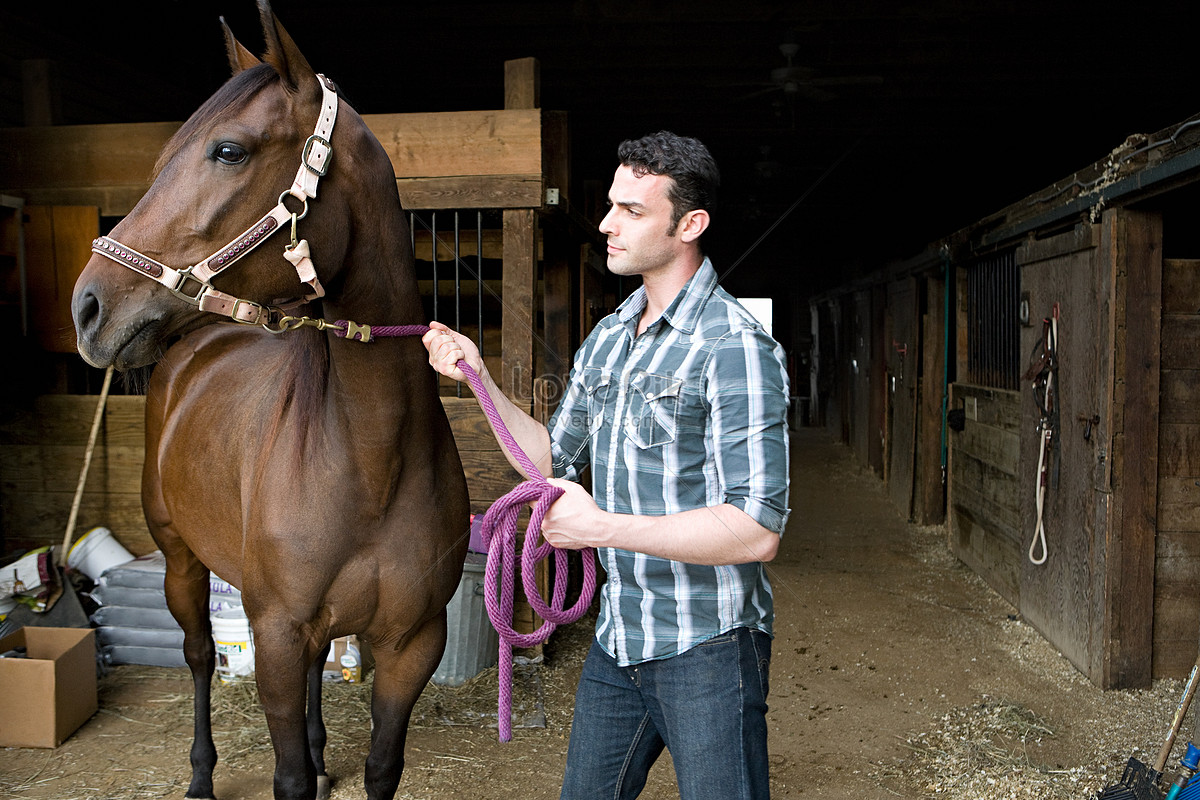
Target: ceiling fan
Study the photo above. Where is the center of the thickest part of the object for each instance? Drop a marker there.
(794, 80)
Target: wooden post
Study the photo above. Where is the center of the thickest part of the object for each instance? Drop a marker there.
(521, 89)
(522, 83)
(40, 93)
(1134, 241)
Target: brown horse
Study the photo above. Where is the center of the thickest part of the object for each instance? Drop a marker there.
(315, 472)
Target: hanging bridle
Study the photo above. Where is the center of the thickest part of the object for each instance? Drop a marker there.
(194, 284)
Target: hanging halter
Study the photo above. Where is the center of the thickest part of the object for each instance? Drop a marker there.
(1044, 373)
(194, 284)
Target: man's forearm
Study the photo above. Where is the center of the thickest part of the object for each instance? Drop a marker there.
(531, 436)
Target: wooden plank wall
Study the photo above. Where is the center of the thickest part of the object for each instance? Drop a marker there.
(42, 444)
(463, 159)
(983, 502)
(1177, 549)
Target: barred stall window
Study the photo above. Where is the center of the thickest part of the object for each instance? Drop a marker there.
(993, 322)
(459, 273)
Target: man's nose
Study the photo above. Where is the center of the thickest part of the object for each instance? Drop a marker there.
(606, 224)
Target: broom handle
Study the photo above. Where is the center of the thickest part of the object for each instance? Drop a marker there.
(1188, 691)
(87, 462)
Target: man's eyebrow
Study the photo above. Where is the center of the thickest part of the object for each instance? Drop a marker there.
(630, 204)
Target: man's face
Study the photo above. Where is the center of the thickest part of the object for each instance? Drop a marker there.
(641, 239)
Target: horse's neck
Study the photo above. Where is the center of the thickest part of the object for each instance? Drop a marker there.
(388, 375)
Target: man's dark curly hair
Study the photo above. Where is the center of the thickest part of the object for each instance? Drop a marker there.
(686, 161)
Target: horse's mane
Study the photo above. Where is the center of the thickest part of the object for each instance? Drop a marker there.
(303, 383)
(228, 99)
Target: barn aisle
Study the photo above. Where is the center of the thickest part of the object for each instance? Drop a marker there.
(898, 672)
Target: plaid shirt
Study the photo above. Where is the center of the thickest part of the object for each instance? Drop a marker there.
(691, 414)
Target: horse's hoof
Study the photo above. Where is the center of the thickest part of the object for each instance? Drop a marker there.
(324, 784)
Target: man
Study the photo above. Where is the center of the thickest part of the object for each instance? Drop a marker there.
(677, 402)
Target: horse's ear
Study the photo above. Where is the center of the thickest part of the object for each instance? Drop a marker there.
(283, 54)
(239, 57)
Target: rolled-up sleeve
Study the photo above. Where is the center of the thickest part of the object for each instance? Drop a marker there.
(746, 388)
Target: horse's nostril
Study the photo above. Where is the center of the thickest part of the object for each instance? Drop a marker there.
(87, 310)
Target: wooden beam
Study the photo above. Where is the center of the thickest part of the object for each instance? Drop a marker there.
(1135, 248)
(476, 191)
(461, 143)
(520, 284)
(466, 159)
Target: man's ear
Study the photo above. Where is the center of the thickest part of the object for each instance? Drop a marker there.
(693, 224)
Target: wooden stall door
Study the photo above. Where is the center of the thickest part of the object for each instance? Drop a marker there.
(58, 242)
(1061, 596)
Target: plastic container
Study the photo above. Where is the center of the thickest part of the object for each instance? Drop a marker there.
(471, 641)
(235, 645)
(96, 552)
(1184, 786)
(351, 662)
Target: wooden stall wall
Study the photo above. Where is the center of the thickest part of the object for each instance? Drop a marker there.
(983, 509)
(42, 443)
(994, 475)
(1177, 547)
(902, 360)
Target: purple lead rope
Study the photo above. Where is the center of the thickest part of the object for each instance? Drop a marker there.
(500, 539)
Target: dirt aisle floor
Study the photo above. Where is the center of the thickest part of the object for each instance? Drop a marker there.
(896, 673)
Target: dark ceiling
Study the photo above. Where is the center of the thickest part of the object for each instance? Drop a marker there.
(929, 115)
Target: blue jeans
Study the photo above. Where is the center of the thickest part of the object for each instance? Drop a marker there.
(707, 706)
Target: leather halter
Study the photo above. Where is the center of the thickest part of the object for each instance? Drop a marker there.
(194, 284)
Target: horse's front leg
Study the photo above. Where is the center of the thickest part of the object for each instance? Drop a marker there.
(282, 656)
(400, 677)
(316, 723)
(186, 586)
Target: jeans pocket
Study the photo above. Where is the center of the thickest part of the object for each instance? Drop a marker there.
(761, 643)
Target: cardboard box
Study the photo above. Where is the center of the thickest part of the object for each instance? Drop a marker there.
(46, 696)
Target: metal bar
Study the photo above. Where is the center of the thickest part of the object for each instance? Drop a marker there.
(479, 275)
(433, 248)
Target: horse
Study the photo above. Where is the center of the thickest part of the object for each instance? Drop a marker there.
(315, 472)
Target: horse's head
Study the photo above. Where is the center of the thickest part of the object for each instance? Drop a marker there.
(169, 264)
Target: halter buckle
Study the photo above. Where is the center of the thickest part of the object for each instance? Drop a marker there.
(178, 289)
(238, 304)
(312, 141)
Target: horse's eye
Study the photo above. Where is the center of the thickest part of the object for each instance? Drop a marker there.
(229, 153)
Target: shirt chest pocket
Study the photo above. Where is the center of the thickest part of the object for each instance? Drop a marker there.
(601, 394)
(654, 405)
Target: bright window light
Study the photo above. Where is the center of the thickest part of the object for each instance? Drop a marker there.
(760, 307)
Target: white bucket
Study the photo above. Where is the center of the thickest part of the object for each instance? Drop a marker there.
(95, 552)
(235, 645)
